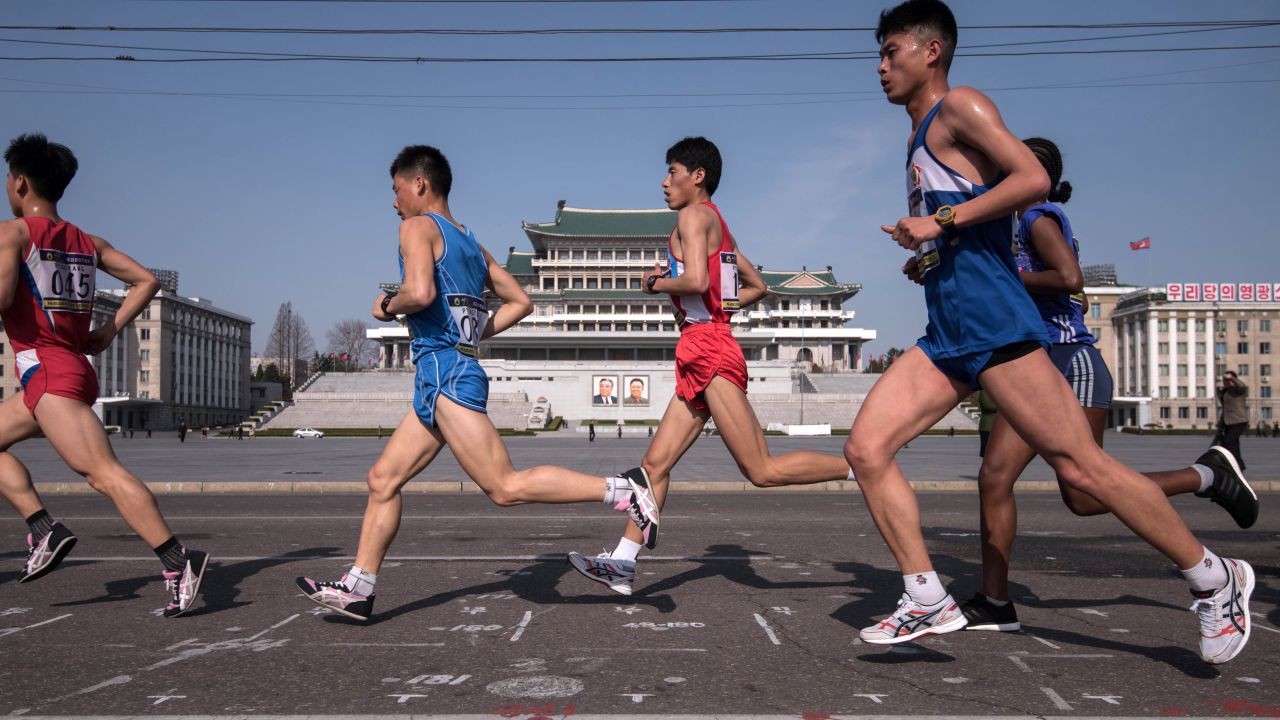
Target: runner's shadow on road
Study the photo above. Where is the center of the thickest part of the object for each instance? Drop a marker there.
(733, 563)
(536, 583)
(1182, 659)
(221, 585)
(113, 590)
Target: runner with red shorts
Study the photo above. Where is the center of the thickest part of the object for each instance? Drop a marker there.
(708, 280)
(47, 273)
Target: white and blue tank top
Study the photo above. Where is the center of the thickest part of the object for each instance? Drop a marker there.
(457, 317)
(976, 301)
(1063, 314)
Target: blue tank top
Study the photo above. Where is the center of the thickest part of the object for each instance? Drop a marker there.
(457, 317)
(1063, 315)
(975, 300)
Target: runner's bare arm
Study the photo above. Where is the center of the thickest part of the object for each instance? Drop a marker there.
(13, 236)
(974, 121)
(693, 225)
(1063, 274)
(751, 286)
(127, 270)
(418, 239)
(516, 304)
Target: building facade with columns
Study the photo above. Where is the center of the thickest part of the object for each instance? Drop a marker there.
(584, 275)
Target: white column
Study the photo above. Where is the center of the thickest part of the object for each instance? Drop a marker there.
(1153, 380)
(1173, 354)
(1210, 349)
(1191, 354)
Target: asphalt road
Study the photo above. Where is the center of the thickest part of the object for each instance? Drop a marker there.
(164, 459)
(750, 607)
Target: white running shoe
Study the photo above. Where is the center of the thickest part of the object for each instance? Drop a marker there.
(1224, 615)
(912, 620)
(619, 575)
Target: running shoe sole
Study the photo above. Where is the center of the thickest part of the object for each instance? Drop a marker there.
(958, 623)
(195, 591)
(581, 563)
(996, 627)
(59, 553)
(307, 594)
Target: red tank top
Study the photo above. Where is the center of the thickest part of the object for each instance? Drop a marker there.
(53, 304)
(719, 301)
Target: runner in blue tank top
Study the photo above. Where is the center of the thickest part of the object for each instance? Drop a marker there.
(444, 274)
(1048, 261)
(983, 333)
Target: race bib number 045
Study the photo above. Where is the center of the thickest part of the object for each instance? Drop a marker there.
(470, 315)
(65, 280)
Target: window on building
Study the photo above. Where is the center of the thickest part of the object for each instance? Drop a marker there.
(592, 283)
(1220, 348)
(1, 348)
(1201, 392)
(146, 313)
(606, 283)
(1220, 325)
(786, 304)
(1200, 348)
(1264, 391)
(1266, 413)
(1242, 348)
(1264, 348)
(1264, 325)
(635, 283)
(1242, 326)
(144, 334)
(577, 254)
(1184, 413)
(1219, 368)
(1182, 325)
(1162, 348)
(1202, 413)
(1164, 413)
(1182, 348)
(1096, 332)
(593, 255)
(577, 283)
(1095, 310)
(1199, 324)
(650, 255)
(1199, 369)
(1182, 369)
(1164, 369)
(1182, 392)
(1162, 325)
(144, 376)
(548, 283)
(1164, 392)
(145, 356)
(1264, 369)
(1242, 370)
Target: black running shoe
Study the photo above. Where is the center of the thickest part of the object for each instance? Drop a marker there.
(43, 555)
(337, 597)
(983, 615)
(1229, 489)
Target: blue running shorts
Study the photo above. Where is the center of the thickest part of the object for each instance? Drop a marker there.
(452, 374)
(1086, 372)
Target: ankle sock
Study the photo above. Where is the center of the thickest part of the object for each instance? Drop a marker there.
(39, 524)
(626, 550)
(172, 554)
(1206, 477)
(924, 588)
(997, 603)
(1207, 576)
(359, 581)
(615, 488)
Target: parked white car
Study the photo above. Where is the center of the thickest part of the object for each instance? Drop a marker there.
(307, 433)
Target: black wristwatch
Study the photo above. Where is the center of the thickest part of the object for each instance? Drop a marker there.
(386, 300)
(648, 284)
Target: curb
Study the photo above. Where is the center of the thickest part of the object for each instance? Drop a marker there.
(466, 487)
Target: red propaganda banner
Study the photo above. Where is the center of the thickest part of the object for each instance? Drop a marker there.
(1173, 291)
(1246, 292)
(1209, 291)
(1263, 291)
(1191, 291)
(1227, 292)
(1143, 244)
(1275, 291)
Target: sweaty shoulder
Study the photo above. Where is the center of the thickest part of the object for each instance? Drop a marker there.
(964, 105)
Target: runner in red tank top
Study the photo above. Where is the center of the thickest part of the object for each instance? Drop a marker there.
(47, 270)
(708, 280)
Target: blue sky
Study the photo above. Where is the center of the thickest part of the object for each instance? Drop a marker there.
(274, 198)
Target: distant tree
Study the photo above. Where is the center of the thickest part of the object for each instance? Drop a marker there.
(289, 341)
(882, 363)
(349, 345)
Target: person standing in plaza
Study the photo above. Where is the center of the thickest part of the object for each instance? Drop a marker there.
(1233, 414)
(708, 279)
(966, 177)
(444, 274)
(47, 285)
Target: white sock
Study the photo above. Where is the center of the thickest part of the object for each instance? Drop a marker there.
(1208, 575)
(1206, 476)
(615, 489)
(925, 588)
(626, 550)
(850, 476)
(997, 603)
(360, 582)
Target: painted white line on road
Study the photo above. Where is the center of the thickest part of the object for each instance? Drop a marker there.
(1022, 665)
(1268, 629)
(644, 649)
(524, 623)
(373, 644)
(1042, 640)
(1058, 702)
(558, 557)
(10, 631)
(117, 680)
(767, 630)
